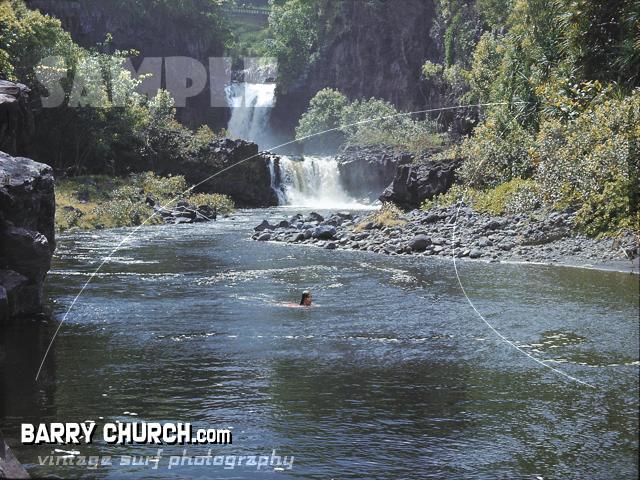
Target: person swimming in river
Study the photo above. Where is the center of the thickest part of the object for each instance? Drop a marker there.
(306, 299)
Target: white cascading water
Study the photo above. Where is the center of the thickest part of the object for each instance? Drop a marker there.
(250, 105)
(309, 182)
(313, 182)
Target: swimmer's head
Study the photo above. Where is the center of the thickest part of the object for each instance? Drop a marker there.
(306, 298)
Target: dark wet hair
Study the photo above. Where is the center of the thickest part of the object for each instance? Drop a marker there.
(306, 294)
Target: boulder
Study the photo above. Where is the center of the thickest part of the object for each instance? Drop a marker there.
(264, 225)
(475, 253)
(249, 183)
(419, 243)
(27, 195)
(415, 183)
(314, 217)
(28, 251)
(4, 305)
(20, 296)
(324, 232)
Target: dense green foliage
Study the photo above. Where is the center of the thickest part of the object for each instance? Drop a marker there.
(100, 201)
(294, 27)
(364, 122)
(561, 79)
(116, 130)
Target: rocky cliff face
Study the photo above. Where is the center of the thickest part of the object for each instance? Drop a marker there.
(366, 171)
(245, 177)
(384, 173)
(369, 49)
(414, 183)
(27, 242)
(16, 118)
(152, 30)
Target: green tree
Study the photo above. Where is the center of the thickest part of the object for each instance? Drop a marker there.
(294, 26)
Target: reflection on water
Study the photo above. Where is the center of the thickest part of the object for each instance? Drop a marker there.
(390, 376)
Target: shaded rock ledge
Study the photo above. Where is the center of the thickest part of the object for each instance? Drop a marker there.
(27, 242)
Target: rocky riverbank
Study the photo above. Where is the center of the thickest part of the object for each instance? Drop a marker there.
(459, 232)
(27, 242)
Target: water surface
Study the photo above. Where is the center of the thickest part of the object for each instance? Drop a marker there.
(390, 375)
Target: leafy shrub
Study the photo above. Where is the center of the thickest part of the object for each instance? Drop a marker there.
(514, 196)
(606, 212)
(222, 203)
(121, 211)
(324, 113)
(162, 188)
(600, 145)
(598, 151)
(102, 202)
(294, 25)
(366, 122)
(455, 194)
(497, 152)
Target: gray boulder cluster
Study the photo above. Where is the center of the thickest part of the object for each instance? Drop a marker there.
(365, 171)
(182, 212)
(27, 242)
(312, 228)
(456, 231)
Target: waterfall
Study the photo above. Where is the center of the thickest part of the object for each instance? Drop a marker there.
(313, 182)
(250, 105)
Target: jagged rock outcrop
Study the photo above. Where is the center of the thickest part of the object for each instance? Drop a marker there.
(27, 239)
(245, 177)
(414, 183)
(16, 118)
(366, 171)
(10, 467)
(154, 29)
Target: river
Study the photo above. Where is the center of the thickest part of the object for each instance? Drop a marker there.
(391, 375)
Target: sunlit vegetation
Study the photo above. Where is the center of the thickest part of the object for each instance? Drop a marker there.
(99, 201)
(365, 122)
(388, 216)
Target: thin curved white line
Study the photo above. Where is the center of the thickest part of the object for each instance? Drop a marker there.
(541, 362)
(362, 122)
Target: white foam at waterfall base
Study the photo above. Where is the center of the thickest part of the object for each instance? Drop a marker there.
(250, 105)
(314, 182)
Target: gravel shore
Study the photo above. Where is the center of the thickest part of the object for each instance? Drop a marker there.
(461, 232)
